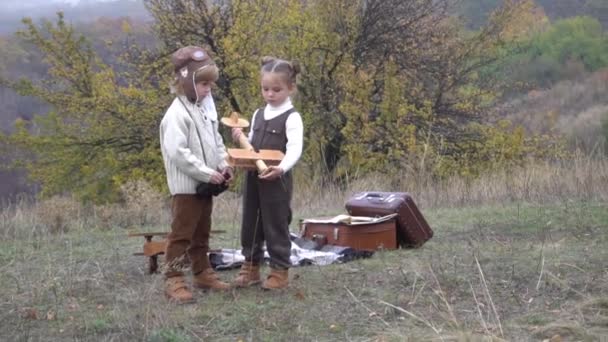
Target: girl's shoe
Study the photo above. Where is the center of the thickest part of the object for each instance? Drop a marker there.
(277, 279)
(249, 275)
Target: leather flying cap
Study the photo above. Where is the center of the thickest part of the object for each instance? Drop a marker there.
(189, 64)
(190, 55)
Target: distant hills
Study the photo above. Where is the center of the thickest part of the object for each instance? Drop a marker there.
(12, 12)
(475, 11)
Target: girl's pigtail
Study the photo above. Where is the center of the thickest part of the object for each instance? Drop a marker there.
(267, 59)
(296, 68)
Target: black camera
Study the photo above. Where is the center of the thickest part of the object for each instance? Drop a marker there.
(206, 190)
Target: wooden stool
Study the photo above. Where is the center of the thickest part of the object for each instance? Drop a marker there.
(152, 248)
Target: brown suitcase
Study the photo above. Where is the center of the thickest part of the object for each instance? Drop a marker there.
(359, 236)
(412, 228)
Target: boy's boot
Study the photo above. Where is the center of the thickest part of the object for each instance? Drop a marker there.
(249, 275)
(176, 290)
(208, 279)
(277, 279)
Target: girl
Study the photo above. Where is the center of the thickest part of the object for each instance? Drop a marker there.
(267, 197)
(193, 153)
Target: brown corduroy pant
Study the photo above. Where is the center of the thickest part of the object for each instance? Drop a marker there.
(189, 237)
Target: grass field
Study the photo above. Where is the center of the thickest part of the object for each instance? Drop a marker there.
(518, 272)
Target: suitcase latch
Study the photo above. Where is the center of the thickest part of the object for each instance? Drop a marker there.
(336, 233)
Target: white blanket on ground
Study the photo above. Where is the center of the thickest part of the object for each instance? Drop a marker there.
(232, 258)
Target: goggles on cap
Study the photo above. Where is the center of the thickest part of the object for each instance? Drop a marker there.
(197, 55)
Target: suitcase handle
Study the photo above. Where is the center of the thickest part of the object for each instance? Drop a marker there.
(379, 198)
(374, 197)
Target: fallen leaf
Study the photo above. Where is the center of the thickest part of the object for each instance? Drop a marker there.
(30, 313)
(300, 295)
(51, 315)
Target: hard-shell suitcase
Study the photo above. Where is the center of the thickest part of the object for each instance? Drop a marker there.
(363, 236)
(412, 228)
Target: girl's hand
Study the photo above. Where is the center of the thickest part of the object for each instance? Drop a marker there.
(271, 173)
(236, 133)
(228, 174)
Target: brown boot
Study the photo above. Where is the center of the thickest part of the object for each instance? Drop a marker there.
(208, 279)
(277, 279)
(176, 290)
(248, 275)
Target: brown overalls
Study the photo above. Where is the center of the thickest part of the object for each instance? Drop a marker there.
(267, 204)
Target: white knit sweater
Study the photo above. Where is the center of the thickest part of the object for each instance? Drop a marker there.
(182, 145)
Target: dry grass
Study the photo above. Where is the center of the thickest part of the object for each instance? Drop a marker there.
(580, 178)
(516, 256)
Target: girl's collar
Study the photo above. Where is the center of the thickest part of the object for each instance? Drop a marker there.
(283, 106)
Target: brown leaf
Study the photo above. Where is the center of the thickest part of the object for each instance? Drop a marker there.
(30, 313)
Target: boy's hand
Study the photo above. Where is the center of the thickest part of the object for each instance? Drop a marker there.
(271, 173)
(228, 174)
(216, 178)
(236, 133)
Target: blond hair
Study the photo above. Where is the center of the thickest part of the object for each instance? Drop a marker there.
(208, 73)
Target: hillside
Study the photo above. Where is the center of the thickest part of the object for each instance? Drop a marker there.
(475, 12)
(469, 99)
(575, 108)
(83, 11)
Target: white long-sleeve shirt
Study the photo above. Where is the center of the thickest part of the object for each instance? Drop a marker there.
(294, 129)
